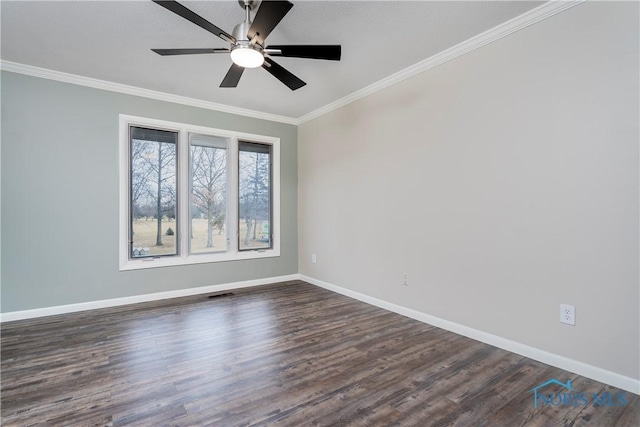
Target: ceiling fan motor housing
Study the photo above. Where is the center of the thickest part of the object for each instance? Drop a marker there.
(243, 52)
(241, 30)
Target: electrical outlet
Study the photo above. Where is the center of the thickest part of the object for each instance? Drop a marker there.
(405, 279)
(313, 258)
(567, 314)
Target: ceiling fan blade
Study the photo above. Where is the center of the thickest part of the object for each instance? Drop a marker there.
(283, 75)
(330, 52)
(269, 14)
(233, 76)
(191, 16)
(168, 52)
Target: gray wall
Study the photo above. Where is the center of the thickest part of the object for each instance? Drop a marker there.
(60, 196)
(504, 182)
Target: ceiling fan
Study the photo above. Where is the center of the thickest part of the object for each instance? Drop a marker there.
(248, 49)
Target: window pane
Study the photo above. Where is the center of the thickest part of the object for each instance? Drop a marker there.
(153, 192)
(254, 219)
(208, 193)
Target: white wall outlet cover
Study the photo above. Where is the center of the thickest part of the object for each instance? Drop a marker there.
(567, 314)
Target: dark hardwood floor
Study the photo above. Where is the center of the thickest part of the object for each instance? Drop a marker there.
(288, 354)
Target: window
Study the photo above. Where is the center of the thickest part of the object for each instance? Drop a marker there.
(208, 207)
(190, 194)
(152, 192)
(255, 196)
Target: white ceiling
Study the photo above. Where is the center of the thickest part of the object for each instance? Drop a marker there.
(111, 40)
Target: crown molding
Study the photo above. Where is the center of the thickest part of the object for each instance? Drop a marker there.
(531, 17)
(44, 73)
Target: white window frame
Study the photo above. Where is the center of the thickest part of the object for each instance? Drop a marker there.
(183, 222)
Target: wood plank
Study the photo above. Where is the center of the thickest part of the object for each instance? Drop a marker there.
(286, 354)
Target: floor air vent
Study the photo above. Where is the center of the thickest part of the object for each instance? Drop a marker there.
(226, 294)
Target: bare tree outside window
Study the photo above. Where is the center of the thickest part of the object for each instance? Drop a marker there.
(153, 192)
(208, 194)
(254, 196)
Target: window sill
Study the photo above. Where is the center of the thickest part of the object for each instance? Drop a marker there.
(172, 261)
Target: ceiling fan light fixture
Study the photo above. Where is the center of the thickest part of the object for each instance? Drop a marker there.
(247, 57)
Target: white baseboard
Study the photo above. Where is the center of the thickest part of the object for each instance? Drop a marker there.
(620, 381)
(92, 305)
(623, 382)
